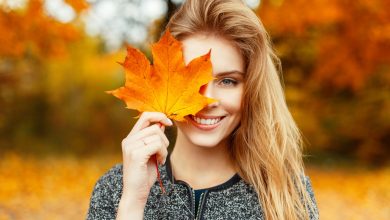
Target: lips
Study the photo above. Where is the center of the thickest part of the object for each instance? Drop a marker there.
(206, 122)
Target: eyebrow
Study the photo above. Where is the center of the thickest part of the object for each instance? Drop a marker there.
(229, 72)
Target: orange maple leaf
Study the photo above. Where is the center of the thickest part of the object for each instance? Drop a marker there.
(167, 86)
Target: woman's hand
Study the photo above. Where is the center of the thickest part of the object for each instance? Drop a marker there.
(139, 172)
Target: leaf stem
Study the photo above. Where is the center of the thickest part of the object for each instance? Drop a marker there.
(158, 172)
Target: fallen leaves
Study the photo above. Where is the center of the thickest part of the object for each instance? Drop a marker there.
(60, 187)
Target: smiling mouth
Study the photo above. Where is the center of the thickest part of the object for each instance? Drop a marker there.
(206, 123)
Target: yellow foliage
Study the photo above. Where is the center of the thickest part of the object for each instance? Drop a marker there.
(48, 188)
(60, 188)
(352, 193)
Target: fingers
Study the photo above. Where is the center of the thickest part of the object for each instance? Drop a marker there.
(147, 118)
(144, 153)
(146, 139)
(149, 131)
(149, 139)
(143, 149)
(146, 136)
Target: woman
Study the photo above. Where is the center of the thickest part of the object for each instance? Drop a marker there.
(238, 158)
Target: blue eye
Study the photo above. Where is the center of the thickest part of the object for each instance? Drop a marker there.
(228, 82)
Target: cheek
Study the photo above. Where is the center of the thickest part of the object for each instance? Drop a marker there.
(231, 101)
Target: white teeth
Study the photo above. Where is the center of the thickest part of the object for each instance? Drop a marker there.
(205, 121)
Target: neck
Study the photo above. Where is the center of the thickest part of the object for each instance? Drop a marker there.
(200, 166)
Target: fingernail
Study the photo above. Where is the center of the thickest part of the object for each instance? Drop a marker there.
(168, 121)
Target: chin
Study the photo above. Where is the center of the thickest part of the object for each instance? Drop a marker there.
(202, 140)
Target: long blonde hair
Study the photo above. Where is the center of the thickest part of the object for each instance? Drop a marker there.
(267, 145)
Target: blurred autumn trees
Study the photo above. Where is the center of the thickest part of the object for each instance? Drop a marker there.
(336, 60)
(52, 83)
(335, 56)
(348, 41)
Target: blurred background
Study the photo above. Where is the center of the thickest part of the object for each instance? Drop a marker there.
(59, 130)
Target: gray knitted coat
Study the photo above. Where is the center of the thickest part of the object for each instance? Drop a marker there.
(234, 199)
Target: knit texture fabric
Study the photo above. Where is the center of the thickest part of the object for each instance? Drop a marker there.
(234, 199)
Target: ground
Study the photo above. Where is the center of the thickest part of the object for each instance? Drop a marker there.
(55, 187)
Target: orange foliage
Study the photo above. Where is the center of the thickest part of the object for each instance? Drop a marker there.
(351, 39)
(60, 188)
(168, 85)
(351, 193)
(48, 188)
(78, 5)
(31, 31)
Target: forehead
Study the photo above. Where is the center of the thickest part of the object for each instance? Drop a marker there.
(225, 56)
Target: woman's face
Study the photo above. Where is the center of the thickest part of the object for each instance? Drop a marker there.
(215, 122)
